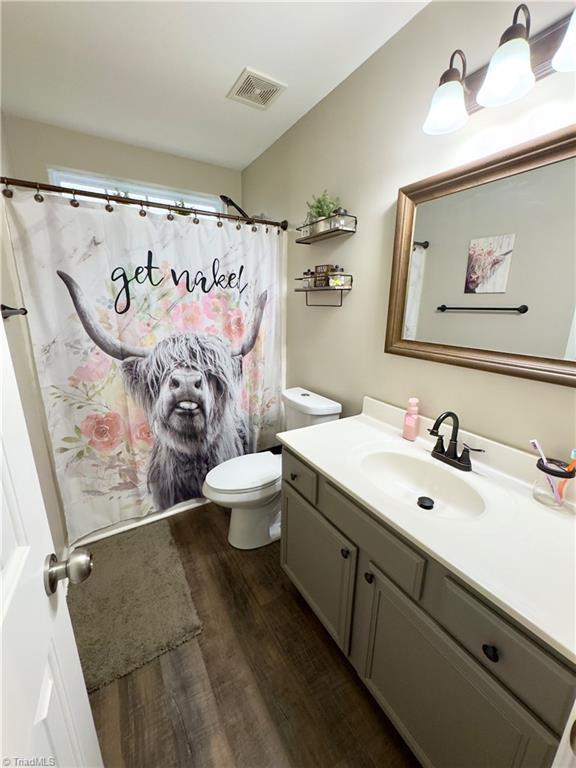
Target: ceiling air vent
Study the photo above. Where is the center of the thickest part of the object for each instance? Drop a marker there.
(255, 89)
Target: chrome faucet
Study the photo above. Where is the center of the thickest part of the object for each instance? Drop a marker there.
(450, 455)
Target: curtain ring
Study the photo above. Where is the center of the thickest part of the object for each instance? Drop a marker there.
(142, 212)
(267, 229)
(196, 220)
(7, 192)
(38, 197)
(74, 203)
(278, 231)
(238, 225)
(109, 207)
(170, 215)
(254, 228)
(219, 222)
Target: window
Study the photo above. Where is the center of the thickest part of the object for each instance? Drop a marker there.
(138, 192)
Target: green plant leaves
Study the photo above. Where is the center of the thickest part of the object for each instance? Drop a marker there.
(323, 205)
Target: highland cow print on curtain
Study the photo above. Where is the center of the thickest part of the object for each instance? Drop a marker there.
(157, 344)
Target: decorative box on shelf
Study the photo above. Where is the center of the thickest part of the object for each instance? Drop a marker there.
(329, 226)
(335, 282)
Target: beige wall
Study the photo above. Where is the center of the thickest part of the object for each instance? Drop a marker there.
(32, 148)
(29, 149)
(363, 142)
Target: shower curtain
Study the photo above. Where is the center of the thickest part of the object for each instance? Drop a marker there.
(415, 286)
(157, 344)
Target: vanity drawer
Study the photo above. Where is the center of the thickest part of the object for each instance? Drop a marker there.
(395, 558)
(540, 681)
(301, 477)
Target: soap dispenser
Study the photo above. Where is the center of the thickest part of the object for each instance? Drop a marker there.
(411, 418)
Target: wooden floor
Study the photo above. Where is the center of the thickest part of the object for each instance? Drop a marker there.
(263, 686)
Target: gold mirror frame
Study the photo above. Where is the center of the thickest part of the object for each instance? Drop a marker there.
(552, 148)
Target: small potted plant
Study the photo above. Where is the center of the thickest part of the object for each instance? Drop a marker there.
(319, 209)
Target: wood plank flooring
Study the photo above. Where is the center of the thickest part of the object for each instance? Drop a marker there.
(263, 686)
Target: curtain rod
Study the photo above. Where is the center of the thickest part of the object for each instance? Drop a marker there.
(9, 182)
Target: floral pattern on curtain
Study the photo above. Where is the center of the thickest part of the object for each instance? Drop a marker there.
(162, 293)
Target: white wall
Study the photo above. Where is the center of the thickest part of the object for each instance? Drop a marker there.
(363, 142)
(29, 150)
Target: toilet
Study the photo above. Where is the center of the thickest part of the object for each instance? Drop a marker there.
(250, 485)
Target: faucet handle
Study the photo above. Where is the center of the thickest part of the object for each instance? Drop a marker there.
(476, 450)
(464, 459)
(439, 447)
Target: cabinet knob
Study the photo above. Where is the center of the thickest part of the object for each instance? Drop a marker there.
(369, 577)
(491, 652)
(345, 553)
(293, 476)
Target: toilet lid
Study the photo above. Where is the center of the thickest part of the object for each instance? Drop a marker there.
(244, 473)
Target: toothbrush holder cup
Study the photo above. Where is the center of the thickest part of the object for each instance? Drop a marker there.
(550, 487)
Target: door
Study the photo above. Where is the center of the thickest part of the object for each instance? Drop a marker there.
(450, 711)
(46, 716)
(321, 563)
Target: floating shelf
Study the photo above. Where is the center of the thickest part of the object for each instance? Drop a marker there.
(326, 228)
(325, 289)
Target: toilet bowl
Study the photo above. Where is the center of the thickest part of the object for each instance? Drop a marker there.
(250, 485)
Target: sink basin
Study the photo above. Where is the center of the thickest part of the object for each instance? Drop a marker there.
(408, 478)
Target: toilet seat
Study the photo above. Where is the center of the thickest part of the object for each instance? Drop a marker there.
(251, 477)
(250, 486)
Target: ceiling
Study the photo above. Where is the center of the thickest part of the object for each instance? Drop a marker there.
(156, 74)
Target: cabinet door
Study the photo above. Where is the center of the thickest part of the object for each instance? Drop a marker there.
(321, 563)
(447, 708)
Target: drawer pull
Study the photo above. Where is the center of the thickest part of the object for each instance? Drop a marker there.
(293, 476)
(369, 577)
(491, 652)
(345, 553)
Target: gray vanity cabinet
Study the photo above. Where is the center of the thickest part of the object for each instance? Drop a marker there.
(419, 639)
(321, 563)
(449, 711)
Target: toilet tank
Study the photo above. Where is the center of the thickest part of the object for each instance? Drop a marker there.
(304, 408)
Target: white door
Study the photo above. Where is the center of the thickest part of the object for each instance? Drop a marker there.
(46, 717)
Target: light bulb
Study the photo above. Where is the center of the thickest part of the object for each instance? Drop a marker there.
(447, 111)
(565, 57)
(509, 75)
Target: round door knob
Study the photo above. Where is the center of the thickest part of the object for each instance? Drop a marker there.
(77, 568)
(293, 476)
(345, 553)
(369, 577)
(491, 652)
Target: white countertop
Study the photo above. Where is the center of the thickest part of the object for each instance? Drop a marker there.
(519, 554)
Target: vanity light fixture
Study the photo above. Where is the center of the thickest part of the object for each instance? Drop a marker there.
(565, 57)
(447, 111)
(510, 74)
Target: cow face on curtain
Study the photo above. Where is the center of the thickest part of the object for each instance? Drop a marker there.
(157, 348)
(188, 386)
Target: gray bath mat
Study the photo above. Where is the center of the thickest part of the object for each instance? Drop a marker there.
(135, 606)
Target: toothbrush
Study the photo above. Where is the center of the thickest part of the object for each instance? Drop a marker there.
(569, 468)
(538, 448)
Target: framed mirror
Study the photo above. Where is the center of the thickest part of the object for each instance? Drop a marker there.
(484, 267)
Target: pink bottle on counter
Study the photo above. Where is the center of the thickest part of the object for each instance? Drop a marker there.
(410, 431)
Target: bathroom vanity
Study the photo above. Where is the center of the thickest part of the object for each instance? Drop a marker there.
(459, 619)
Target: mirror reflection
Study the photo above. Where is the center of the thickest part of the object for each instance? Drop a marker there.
(494, 267)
